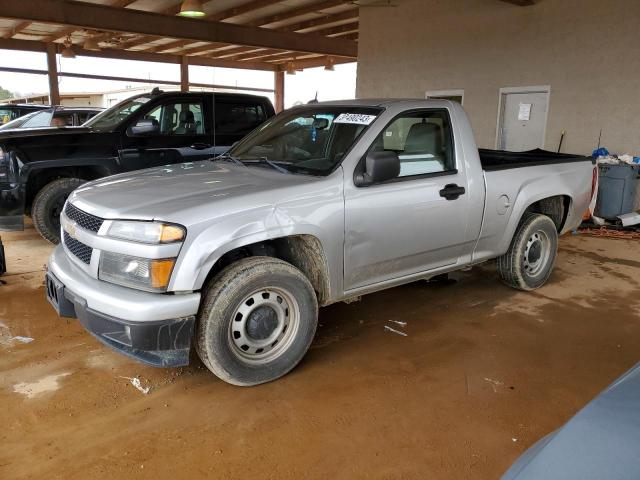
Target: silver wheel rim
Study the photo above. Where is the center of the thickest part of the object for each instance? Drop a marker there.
(264, 325)
(536, 253)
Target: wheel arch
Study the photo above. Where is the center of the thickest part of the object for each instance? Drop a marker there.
(39, 176)
(555, 207)
(303, 251)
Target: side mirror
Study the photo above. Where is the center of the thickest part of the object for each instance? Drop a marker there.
(145, 126)
(379, 167)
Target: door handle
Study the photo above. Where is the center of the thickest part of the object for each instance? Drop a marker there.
(200, 146)
(452, 191)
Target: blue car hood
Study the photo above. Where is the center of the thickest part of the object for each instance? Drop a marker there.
(602, 442)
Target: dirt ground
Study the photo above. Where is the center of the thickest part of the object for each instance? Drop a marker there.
(482, 373)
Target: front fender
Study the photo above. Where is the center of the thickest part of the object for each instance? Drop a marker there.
(202, 249)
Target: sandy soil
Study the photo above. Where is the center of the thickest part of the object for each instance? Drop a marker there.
(483, 372)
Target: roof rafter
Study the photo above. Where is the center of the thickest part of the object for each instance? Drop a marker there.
(521, 3)
(241, 9)
(318, 22)
(297, 12)
(16, 29)
(99, 17)
(69, 30)
(35, 46)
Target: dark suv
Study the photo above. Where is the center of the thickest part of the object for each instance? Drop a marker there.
(39, 168)
(11, 111)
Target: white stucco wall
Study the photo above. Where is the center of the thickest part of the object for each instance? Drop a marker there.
(587, 51)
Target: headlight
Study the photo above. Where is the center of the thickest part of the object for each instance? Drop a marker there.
(141, 273)
(146, 232)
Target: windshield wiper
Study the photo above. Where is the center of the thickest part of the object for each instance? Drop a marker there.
(271, 163)
(226, 156)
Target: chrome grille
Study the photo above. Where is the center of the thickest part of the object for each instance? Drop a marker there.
(83, 219)
(79, 249)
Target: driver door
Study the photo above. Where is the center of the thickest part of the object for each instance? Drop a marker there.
(406, 225)
(182, 133)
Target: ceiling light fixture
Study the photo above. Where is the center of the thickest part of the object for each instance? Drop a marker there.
(291, 68)
(67, 51)
(329, 66)
(191, 8)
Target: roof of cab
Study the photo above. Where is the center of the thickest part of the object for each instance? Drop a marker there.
(377, 102)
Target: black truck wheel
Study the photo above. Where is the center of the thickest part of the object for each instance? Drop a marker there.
(256, 321)
(529, 261)
(48, 206)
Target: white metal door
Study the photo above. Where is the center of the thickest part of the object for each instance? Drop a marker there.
(523, 121)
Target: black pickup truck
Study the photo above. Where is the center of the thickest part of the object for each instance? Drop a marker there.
(40, 167)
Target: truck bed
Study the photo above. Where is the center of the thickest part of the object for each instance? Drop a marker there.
(502, 160)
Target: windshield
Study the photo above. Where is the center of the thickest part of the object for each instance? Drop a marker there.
(113, 116)
(309, 140)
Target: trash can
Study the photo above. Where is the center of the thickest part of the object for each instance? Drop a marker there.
(618, 191)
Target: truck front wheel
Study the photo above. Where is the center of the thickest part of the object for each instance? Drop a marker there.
(257, 320)
(529, 261)
(48, 206)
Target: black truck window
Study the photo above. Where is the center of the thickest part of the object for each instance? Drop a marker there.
(179, 118)
(235, 118)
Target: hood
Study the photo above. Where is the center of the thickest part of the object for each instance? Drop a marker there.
(184, 193)
(601, 441)
(14, 133)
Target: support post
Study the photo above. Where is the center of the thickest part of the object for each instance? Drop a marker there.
(278, 79)
(52, 66)
(184, 73)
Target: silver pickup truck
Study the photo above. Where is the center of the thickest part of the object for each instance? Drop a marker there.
(322, 203)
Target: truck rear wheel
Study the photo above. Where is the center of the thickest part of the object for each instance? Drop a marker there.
(48, 206)
(529, 261)
(257, 320)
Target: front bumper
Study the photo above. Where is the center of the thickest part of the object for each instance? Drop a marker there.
(11, 207)
(153, 328)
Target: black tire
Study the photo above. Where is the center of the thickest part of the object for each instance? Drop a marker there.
(226, 320)
(48, 205)
(529, 261)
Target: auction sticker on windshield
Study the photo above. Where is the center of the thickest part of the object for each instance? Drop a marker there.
(357, 118)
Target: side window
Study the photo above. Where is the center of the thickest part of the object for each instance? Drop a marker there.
(422, 140)
(233, 118)
(42, 119)
(178, 118)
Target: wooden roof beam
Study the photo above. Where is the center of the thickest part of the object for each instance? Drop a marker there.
(69, 30)
(16, 29)
(241, 9)
(342, 29)
(312, 63)
(98, 17)
(204, 49)
(169, 46)
(261, 54)
(318, 22)
(521, 3)
(141, 40)
(316, 7)
(34, 46)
